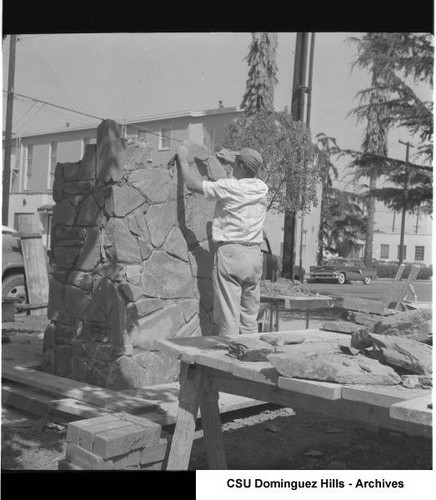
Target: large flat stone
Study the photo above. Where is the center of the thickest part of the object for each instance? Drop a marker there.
(56, 310)
(198, 219)
(90, 253)
(89, 213)
(81, 305)
(415, 324)
(87, 165)
(176, 245)
(363, 305)
(167, 277)
(64, 212)
(161, 324)
(333, 367)
(123, 200)
(160, 219)
(110, 148)
(153, 182)
(124, 245)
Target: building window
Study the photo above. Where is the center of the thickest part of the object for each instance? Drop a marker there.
(419, 253)
(29, 164)
(384, 251)
(164, 138)
(53, 162)
(404, 252)
(86, 141)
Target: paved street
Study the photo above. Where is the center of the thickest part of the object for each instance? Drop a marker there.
(377, 290)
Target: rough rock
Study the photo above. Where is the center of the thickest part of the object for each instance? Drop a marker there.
(88, 163)
(176, 245)
(333, 367)
(124, 246)
(123, 201)
(110, 148)
(416, 324)
(153, 182)
(160, 219)
(342, 327)
(89, 213)
(158, 325)
(64, 212)
(178, 281)
(250, 349)
(400, 352)
(282, 338)
(90, 253)
(81, 305)
(70, 171)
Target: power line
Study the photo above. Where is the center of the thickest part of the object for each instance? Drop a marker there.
(141, 129)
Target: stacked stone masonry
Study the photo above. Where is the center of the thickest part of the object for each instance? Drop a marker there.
(132, 257)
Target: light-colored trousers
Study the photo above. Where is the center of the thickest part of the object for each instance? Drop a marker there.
(236, 287)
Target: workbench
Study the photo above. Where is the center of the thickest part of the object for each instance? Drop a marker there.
(206, 369)
(296, 303)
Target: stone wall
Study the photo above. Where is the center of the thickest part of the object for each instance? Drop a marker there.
(132, 258)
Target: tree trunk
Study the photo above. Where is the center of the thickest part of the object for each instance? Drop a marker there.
(369, 237)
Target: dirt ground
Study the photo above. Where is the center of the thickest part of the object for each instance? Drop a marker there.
(260, 438)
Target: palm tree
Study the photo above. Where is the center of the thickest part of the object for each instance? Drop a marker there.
(259, 93)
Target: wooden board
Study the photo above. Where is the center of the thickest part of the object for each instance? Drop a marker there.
(414, 410)
(35, 261)
(381, 395)
(324, 390)
(63, 387)
(22, 399)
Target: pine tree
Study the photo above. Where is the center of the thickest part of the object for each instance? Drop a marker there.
(259, 94)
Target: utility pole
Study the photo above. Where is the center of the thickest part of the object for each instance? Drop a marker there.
(297, 111)
(403, 212)
(8, 132)
(308, 90)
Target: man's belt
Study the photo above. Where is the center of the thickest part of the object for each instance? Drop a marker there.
(245, 244)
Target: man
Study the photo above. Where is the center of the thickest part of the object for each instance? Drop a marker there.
(237, 229)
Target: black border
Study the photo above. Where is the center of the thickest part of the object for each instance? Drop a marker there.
(97, 16)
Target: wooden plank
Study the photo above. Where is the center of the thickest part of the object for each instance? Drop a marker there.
(35, 261)
(74, 428)
(191, 383)
(76, 408)
(211, 424)
(155, 452)
(89, 434)
(405, 289)
(324, 390)
(414, 410)
(261, 371)
(22, 399)
(60, 386)
(380, 395)
(356, 411)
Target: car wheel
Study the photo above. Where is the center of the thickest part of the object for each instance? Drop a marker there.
(367, 280)
(14, 286)
(342, 279)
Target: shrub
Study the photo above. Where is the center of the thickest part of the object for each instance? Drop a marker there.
(389, 270)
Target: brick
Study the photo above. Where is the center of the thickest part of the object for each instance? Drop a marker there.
(65, 465)
(85, 459)
(126, 460)
(155, 452)
(88, 435)
(75, 427)
(115, 442)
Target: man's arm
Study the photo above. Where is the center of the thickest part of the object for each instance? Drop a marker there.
(192, 182)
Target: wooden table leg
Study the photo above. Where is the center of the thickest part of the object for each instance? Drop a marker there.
(277, 316)
(191, 386)
(271, 316)
(211, 424)
(307, 318)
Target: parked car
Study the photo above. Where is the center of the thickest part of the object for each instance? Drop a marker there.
(342, 270)
(13, 275)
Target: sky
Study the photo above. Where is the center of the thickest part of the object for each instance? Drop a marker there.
(132, 75)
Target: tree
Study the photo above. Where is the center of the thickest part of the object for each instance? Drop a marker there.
(375, 115)
(259, 93)
(344, 222)
(287, 149)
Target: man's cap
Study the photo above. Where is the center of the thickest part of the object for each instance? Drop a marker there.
(251, 159)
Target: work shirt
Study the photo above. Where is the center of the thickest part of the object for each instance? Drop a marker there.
(240, 209)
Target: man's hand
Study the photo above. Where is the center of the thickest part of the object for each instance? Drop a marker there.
(182, 154)
(226, 156)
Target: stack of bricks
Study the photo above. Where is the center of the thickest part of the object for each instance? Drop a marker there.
(115, 442)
